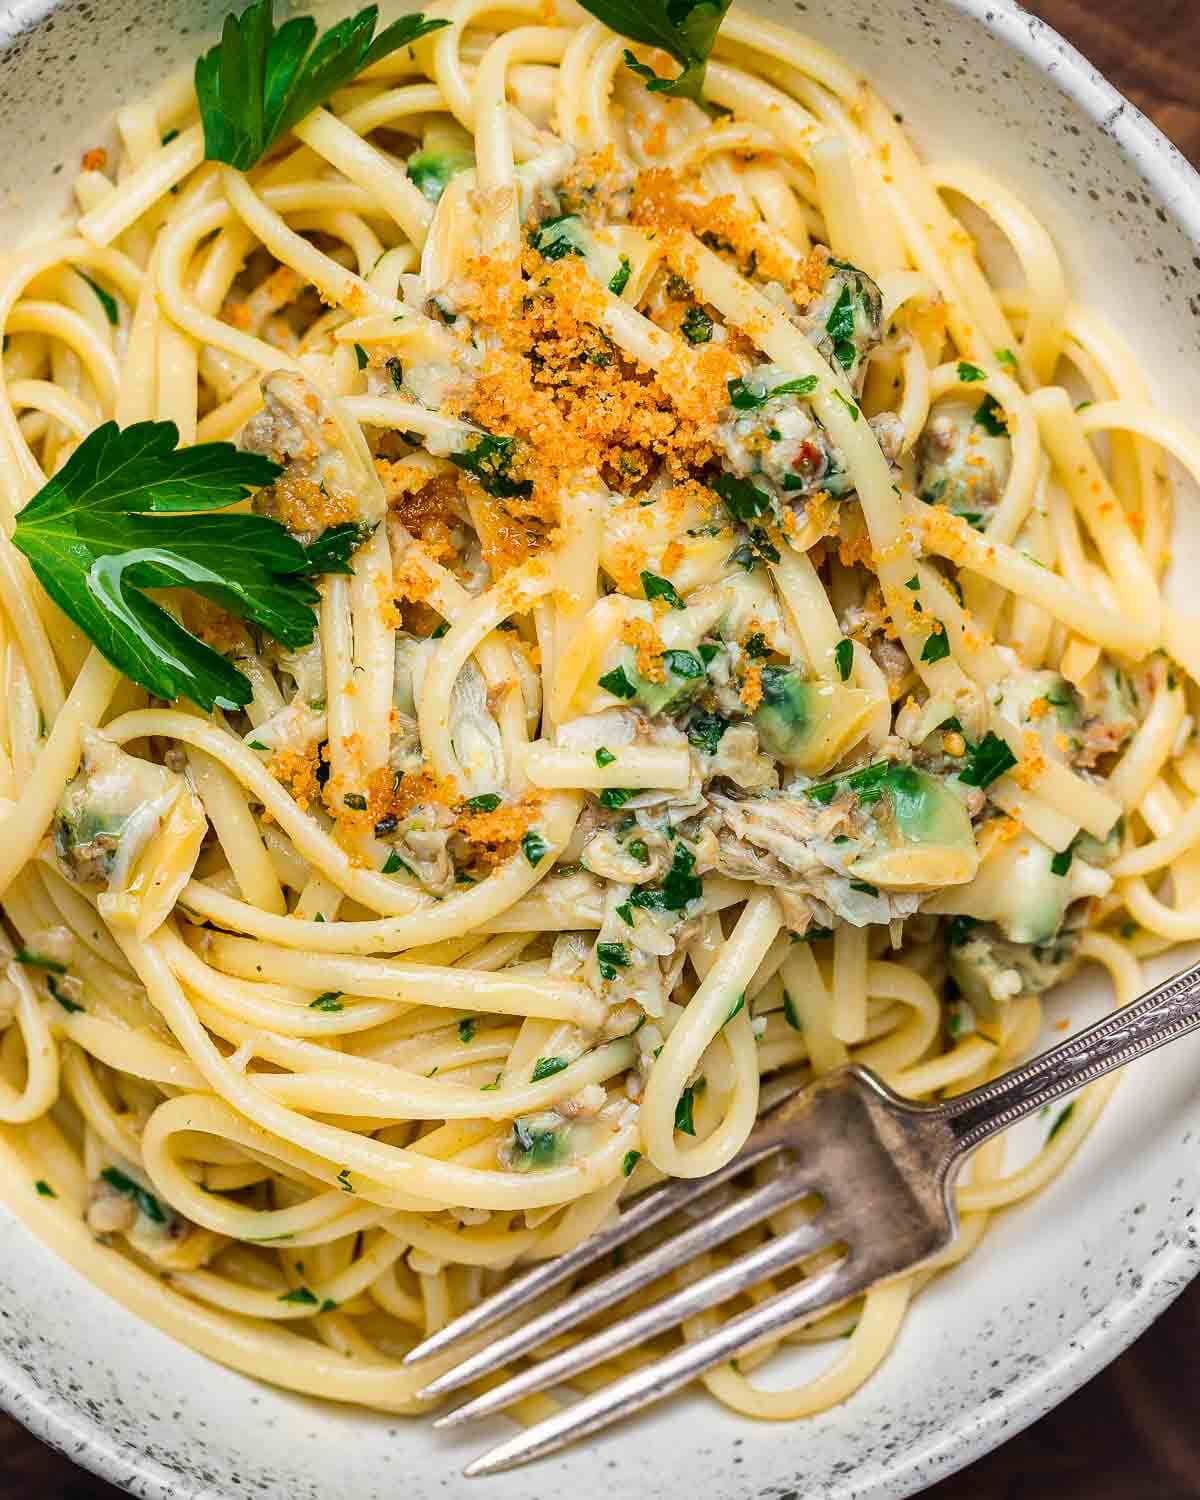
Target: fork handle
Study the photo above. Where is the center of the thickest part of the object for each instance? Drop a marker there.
(1170, 1010)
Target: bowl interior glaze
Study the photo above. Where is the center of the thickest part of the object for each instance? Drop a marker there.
(1059, 1287)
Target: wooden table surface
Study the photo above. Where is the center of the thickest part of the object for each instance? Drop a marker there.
(1134, 1432)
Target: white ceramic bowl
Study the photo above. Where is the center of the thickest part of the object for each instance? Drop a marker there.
(1059, 1287)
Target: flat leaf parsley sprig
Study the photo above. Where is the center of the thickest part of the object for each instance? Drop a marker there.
(685, 29)
(131, 511)
(258, 82)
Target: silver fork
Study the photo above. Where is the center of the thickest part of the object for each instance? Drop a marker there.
(883, 1170)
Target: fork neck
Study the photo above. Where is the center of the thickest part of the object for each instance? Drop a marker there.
(1170, 1010)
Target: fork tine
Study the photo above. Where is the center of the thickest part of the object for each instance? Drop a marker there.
(591, 1299)
(748, 1270)
(837, 1283)
(646, 1210)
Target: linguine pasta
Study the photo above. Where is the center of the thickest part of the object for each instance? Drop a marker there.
(751, 661)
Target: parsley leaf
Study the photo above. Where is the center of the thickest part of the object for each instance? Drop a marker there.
(604, 757)
(616, 683)
(489, 460)
(683, 664)
(679, 885)
(969, 373)
(535, 847)
(843, 657)
(742, 398)
(615, 796)
(987, 760)
(107, 301)
(989, 414)
(146, 1202)
(937, 646)
(619, 279)
(655, 587)
(684, 1121)
(329, 1000)
(705, 732)
(1059, 1121)
(742, 499)
(112, 524)
(609, 958)
(840, 328)
(686, 29)
(631, 1160)
(1061, 863)
(1007, 357)
(697, 326)
(486, 802)
(546, 1067)
(258, 82)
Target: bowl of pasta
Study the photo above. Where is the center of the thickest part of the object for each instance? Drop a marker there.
(566, 571)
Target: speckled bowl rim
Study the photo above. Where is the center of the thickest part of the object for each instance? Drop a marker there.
(1176, 184)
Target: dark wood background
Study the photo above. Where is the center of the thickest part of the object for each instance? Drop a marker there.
(1134, 1432)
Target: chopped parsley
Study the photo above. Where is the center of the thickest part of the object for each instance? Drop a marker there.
(742, 398)
(615, 796)
(610, 957)
(742, 499)
(1061, 863)
(684, 1120)
(489, 460)
(631, 1160)
(147, 1203)
(466, 1029)
(937, 645)
(44, 1190)
(1007, 358)
(106, 300)
(620, 277)
(850, 406)
(393, 864)
(328, 1000)
(616, 683)
(734, 1008)
(969, 373)
(604, 757)
(301, 1296)
(655, 587)
(989, 415)
(534, 847)
(485, 802)
(360, 354)
(840, 328)
(546, 1067)
(679, 885)
(987, 760)
(697, 326)
(683, 663)
(1060, 1120)
(30, 960)
(843, 658)
(705, 732)
(756, 647)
